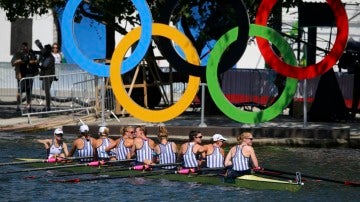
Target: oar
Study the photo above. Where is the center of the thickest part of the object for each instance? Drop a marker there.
(94, 163)
(50, 160)
(138, 167)
(315, 177)
(148, 173)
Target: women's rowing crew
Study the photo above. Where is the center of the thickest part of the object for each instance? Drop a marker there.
(134, 143)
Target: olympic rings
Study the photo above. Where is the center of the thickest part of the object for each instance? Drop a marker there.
(230, 58)
(102, 69)
(234, 40)
(119, 90)
(215, 90)
(312, 70)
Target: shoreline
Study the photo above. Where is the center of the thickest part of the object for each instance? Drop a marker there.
(282, 131)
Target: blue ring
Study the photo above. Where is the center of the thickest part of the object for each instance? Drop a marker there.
(102, 69)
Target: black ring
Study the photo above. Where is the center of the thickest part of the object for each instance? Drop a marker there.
(230, 58)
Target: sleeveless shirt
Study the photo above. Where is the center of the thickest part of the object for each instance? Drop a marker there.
(167, 155)
(189, 157)
(215, 159)
(240, 162)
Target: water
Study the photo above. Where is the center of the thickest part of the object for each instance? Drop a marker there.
(340, 164)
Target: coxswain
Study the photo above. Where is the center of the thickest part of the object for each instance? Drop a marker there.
(55, 148)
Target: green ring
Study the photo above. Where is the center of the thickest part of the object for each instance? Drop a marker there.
(216, 92)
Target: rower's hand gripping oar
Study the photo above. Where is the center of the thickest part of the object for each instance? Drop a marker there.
(356, 184)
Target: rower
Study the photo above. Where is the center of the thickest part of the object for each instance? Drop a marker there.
(143, 147)
(83, 144)
(102, 143)
(241, 157)
(122, 145)
(166, 150)
(191, 151)
(214, 153)
(55, 147)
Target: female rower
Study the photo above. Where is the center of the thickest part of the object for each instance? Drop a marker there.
(240, 155)
(83, 145)
(55, 147)
(122, 145)
(102, 143)
(166, 150)
(143, 147)
(213, 153)
(191, 151)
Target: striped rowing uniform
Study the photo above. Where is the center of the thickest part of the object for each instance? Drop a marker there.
(189, 157)
(240, 162)
(87, 150)
(54, 150)
(215, 159)
(167, 155)
(145, 152)
(121, 150)
(102, 154)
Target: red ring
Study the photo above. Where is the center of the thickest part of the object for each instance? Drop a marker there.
(313, 70)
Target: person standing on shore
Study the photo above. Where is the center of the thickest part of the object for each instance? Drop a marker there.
(55, 51)
(83, 145)
(26, 65)
(166, 150)
(55, 147)
(241, 158)
(190, 152)
(47, 73)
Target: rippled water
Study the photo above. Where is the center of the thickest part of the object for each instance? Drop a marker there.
(340, 164)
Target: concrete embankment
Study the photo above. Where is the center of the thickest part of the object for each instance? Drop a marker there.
(283, 130)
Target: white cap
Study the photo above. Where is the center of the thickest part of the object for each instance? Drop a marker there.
(58, 131)
(84, 128)
(217, 137)
(103, 130)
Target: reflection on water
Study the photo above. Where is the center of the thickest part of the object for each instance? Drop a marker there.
(340, 164)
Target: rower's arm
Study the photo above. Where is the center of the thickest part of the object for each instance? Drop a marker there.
(254, 160)
(46, 142)
(111, 146)
(73, 148)
(228, 157)
(65, 148)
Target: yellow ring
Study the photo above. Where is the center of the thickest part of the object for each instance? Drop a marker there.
(118, 87)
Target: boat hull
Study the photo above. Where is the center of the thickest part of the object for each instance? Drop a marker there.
(245, 181)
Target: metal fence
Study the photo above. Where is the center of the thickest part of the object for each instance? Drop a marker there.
(78, 91)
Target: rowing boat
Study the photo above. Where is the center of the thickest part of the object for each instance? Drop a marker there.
(253, 181)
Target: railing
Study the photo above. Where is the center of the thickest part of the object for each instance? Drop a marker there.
(78, 91)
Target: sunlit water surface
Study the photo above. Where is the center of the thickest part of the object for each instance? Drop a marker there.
(340, 164)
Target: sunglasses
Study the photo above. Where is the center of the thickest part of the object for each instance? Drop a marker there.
(250, 138)
(199, 137)
(132, 132)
